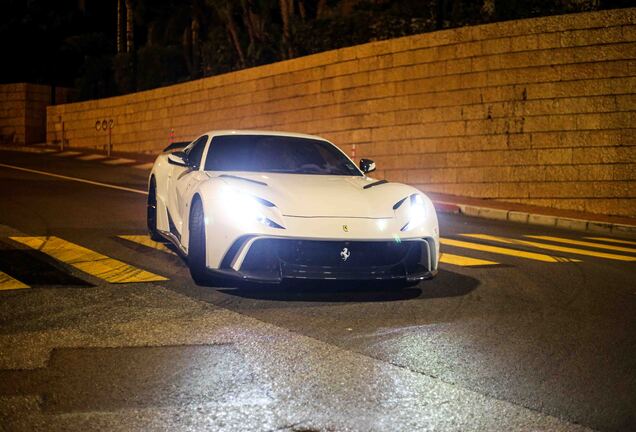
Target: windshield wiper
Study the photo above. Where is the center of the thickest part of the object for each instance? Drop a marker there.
(297, 171)
(282, 171)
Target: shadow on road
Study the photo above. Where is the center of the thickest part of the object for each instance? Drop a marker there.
(446, 284)
(35, 268)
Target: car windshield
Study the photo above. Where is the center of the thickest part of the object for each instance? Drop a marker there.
(277, 154)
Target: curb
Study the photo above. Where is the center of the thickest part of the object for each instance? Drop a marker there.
(79, 154)
(561, 222)
(27, 149)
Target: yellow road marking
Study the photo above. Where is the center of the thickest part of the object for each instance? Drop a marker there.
(611, 240)
(144, 240)
(88, 261)
(503, 251)
(552, 247)
(582, 243)
(463, 261)
(8, 283)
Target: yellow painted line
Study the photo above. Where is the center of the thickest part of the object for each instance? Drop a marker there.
(8, 283)
(611, 240)
(583, 243)
(463, 261)
(553, 247)
(503, 251)
(144, 240)
(68, 153)
(89, 261)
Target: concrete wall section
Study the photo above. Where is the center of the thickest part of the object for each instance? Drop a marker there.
(537, 111)
(12, 113)
(23, 112)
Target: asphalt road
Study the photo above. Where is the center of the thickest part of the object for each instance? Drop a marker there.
(520, 341)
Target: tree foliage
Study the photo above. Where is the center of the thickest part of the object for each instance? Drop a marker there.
(168, 41)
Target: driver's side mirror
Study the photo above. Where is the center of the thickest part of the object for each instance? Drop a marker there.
(367, 165)
(178, 158)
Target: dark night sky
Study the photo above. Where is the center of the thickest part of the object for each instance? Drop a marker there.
(71, 43)
(45, 41)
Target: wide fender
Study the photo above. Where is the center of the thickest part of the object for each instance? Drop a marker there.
(429, 228)
(224, 221)
(210, 194)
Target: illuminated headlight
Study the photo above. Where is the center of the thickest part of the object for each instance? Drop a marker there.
(417, 212)
(245, 208)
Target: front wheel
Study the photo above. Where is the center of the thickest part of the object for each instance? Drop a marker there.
(196, 244)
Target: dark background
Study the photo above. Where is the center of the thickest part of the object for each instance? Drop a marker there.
(73, 43)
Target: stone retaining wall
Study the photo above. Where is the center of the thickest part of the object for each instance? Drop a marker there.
(538, 111)
(23, 112)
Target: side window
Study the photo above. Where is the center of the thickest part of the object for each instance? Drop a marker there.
(196, 151)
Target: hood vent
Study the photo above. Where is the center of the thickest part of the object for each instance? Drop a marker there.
(378, 183)
(243, 178)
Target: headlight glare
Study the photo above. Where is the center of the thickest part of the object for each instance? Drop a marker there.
(245, 208)
(417, 212)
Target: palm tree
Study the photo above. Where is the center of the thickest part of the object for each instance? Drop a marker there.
(225, 11)
(120, 27)
(286, 13)
(488, 8)
(130, 25)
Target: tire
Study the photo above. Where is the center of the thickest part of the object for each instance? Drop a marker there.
(151, 212)
(196, 244)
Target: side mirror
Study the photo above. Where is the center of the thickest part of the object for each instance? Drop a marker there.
(367, 165)
(178, 158)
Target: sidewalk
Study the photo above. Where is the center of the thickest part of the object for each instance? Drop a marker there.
(50, 148)
(534, 215)
(475, 207)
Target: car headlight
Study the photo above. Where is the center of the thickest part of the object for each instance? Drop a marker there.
(417, 212)
(246, 208)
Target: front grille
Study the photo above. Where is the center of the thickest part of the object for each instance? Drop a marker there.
(356, 259)
(341, 254)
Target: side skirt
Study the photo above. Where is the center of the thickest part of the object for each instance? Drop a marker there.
(172, 239)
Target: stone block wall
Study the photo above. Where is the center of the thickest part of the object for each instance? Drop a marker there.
(23, 112)
(12, 113)
(539, 111)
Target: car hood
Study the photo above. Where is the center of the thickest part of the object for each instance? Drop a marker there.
(305, 195)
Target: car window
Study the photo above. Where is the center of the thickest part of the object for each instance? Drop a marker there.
(195, 152)
(272, 153)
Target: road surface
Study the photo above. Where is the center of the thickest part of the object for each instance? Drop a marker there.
(525, 328)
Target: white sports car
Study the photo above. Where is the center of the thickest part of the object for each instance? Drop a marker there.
(268, 206)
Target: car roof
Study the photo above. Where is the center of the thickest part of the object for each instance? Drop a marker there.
(261, 132)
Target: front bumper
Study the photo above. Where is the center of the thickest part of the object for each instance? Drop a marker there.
(272, 260)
